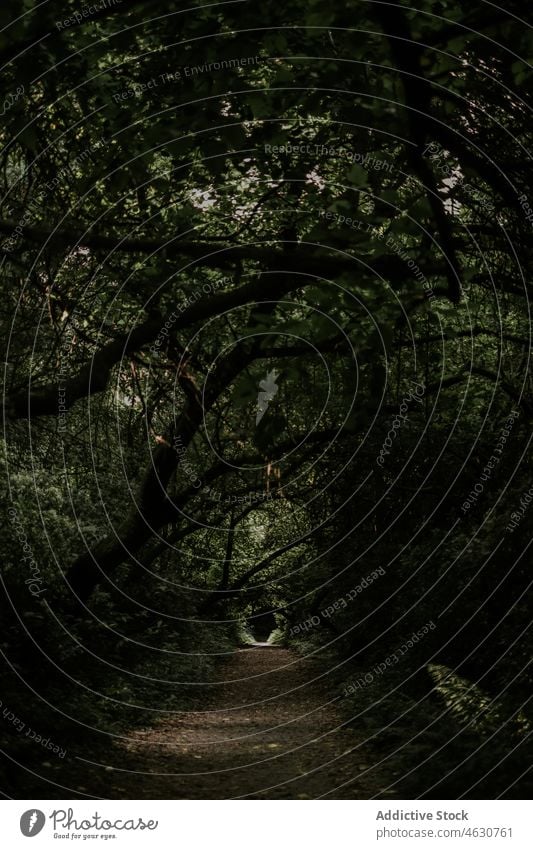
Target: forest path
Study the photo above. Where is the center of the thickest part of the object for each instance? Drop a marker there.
(267, 732)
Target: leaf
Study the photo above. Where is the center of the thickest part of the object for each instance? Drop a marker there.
(357, 174)
(260, 105)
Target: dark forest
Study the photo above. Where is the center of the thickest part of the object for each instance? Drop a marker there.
(267, 400)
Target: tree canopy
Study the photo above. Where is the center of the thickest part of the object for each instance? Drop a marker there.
(266, 276)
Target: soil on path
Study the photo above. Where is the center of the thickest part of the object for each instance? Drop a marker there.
(269, 731)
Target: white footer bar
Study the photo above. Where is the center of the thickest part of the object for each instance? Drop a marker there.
(269, 824)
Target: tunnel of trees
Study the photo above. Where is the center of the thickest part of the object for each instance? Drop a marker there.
(265, 278)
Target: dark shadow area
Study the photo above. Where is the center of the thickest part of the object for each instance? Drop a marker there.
(267, 400)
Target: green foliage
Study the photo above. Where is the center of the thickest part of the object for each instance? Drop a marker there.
(312, 204)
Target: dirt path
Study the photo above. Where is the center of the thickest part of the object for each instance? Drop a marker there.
(266, 733)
